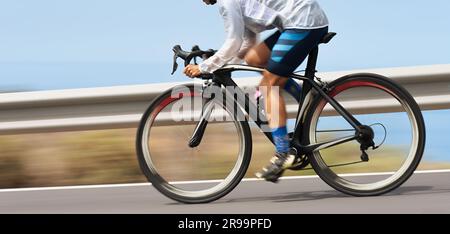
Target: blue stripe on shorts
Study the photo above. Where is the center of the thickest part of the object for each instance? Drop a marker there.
(286, 42)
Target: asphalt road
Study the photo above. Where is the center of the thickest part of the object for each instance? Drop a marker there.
(423, 193)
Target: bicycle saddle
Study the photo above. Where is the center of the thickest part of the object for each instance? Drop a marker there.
(327, 38)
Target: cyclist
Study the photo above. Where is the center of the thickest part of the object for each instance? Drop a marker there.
(301, 25)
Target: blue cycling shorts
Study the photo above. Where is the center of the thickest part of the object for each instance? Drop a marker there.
(290, 48)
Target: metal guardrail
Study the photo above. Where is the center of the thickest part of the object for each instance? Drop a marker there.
(122, 107)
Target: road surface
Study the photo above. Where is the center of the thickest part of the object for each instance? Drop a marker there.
(425, 192)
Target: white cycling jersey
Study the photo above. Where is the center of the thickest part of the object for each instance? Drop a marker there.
(244, 19)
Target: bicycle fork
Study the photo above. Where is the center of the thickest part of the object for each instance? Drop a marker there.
(200, 129)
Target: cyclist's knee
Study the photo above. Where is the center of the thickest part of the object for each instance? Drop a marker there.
(252, 59)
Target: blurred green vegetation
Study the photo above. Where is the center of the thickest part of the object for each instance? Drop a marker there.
(108, 157)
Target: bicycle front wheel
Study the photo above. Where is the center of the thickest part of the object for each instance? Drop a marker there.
(193, 174)
(399, 133)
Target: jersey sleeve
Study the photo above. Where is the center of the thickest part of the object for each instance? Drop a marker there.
(250, 40)
(235, 30)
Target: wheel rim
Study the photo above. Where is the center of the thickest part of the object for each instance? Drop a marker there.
(174, 186)
(393, 176)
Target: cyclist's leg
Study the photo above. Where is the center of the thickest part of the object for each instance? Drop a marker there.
(275, 105)
(291, 49)
(259, 56)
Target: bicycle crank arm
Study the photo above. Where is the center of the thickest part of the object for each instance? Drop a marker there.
(200, 129)
(329, 144)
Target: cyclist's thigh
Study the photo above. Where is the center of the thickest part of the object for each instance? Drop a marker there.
(259, 55)
(292, 48)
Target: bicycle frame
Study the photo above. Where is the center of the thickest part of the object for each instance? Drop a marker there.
(223, 78)
(236, 108)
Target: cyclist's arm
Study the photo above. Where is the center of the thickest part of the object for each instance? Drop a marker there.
(235, 30)
(250, 40)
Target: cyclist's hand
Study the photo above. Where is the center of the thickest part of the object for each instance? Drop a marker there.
(192, 71)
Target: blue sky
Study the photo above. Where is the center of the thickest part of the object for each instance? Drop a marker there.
(54, 44)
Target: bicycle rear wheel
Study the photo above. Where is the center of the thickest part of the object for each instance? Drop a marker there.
(396, 121)
(193, 174)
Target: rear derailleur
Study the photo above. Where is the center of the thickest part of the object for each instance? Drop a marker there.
(365, 138)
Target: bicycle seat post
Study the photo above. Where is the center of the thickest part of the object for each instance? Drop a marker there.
(312, 63)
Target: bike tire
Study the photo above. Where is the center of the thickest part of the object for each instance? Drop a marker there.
(163, 186)
(406, 97)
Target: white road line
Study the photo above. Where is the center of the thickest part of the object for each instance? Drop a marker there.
(196, 182)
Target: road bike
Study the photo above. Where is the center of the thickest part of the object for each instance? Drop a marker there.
(363, 134)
